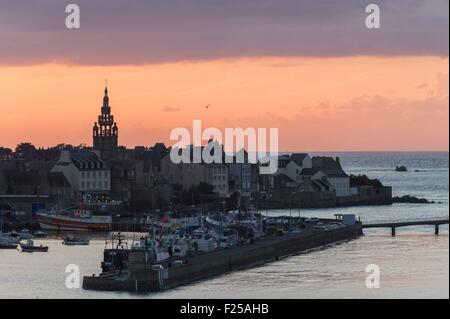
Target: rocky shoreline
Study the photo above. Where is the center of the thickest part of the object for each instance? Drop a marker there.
(412, 200)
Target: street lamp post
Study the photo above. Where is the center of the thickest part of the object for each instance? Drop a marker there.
(297, 193)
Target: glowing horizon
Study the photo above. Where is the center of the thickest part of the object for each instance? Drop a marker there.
(319, 104)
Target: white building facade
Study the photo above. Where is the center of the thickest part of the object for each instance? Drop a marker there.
(339, 182)
(331, 169)
(85, 171)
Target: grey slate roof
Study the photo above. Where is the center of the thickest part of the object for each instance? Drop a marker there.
(298, 158)
(322, 184)
(86, 160)
(329, 166)
(309, 171)
(334, 172)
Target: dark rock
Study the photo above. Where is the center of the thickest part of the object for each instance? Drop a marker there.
(401, 169)
(411, 200)
(363, 180)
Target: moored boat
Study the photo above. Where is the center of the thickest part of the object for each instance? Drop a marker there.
(78, 219)
(40, 234)
(23, 234)
(29, 246)
(74, 241)
(7, 243)
(203, 241)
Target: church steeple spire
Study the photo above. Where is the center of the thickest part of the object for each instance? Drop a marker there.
(105, 133)
(106, 98)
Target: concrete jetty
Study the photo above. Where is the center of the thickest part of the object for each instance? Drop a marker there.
(142, 276)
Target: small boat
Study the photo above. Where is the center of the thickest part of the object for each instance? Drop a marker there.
(23, 234)
(30, 247)
(72, 241)
(7, 243)
(40, 234)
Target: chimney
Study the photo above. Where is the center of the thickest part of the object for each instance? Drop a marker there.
(64, 156)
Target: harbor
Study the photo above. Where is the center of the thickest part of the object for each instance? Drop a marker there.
(322, 271)
(178, 251)
(135, 269)
(330, 271)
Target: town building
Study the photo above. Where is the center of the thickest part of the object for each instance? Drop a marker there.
(293, 164)
(197, 171)
(331, 169)
(87, 174)
(28, 187)
(240, 174)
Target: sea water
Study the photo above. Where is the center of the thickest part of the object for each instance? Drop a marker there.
(414, 264)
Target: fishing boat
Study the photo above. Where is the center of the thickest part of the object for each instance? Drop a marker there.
(74, 241)
(29, 246)
(73, 219)
(203, 241)
(187, 223)
(227, 238)
(181, 247)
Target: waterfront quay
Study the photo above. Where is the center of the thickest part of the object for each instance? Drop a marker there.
(142, 276)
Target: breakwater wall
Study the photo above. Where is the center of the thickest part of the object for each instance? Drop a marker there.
(144, 277)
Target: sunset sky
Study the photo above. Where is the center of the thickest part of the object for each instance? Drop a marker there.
(310, 68)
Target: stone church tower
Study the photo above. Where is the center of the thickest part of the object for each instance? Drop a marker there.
(105, 131)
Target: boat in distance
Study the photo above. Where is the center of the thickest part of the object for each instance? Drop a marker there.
(74, 241)
(7, 242)
(77, 219)
(30, 247)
